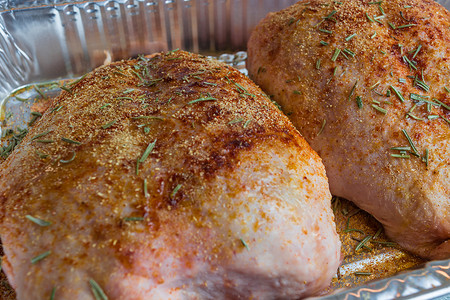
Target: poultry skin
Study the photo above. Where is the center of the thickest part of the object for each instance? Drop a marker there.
(368, 85)
(166, 177)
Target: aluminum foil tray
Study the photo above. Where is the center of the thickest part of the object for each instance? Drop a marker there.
(44, 43)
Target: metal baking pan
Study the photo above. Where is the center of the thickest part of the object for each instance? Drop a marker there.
(46, 42)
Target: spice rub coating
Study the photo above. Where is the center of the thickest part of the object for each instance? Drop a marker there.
(166, 177)
(367, 84)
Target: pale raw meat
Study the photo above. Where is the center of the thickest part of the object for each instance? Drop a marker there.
(358, 78)
(171, 177)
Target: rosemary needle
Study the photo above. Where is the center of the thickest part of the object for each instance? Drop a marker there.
(40, 257)
(175, 190)
(40, 135)
(66, 161)
(52, 295)
(38, 221)
(363, 242)
(99, 294)
(244, 244)
(70, 141)
(147, 151)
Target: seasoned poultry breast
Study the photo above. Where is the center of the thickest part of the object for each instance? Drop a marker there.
(166, 177)
(367, 84)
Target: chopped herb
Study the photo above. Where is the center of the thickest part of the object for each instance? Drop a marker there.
(402, 80)
(209, 83)
(109, 124)
(375, 85)
(236, 121)
(389, 244)
(70, 141)
(45, 141)
(432, 117)
(38, 221)
(202, 99)
(66, 89)
(297, 92)
(324, 43)
(97, 290)
(399, 155)
(363, 242)
(147, 151)
(417, 51)
(406, 26)
(370, 19)
(373, 35)
(52, 295)
(73, 83)
(382, 110)
(399, 95)
(175, 190)
(39, 91)
(348, 38)
(145, 188)
(147, 117)
(246, 123)
(68, 160)
(363, 273)
(404, 148)
(377, 233)
(326, 31)
(382, 52)
(41, 135)
(414, 116)
(56, 109)
(392, 25)
(41, 155)
(415, 152)
(410, 63)
(336, 54)
(447, 89)
(244, 244)
(133, 219)
(330, 15)
(352, 90)
(422, 85)
(359, 102)
(318, 64)
(445, 119)
(426, 156)
(40, 257)
(442, 103)
(349, 52)
(322, 127)
(124, 98)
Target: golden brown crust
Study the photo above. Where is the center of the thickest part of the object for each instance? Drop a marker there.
(311, 55)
